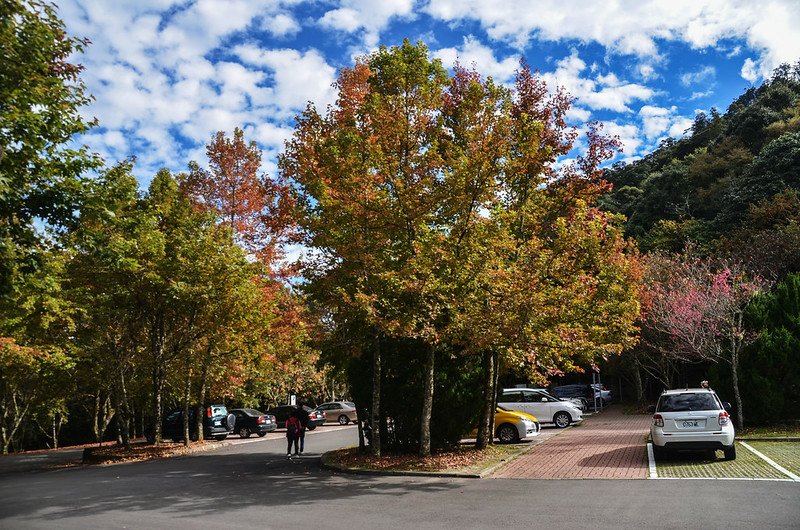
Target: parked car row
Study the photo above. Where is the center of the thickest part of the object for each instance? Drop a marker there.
(584, 393)
(541, 404)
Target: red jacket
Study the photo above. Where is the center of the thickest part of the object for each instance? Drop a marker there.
(297, 426)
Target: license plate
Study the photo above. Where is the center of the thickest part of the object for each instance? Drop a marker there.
(217, 423)
(691, 424)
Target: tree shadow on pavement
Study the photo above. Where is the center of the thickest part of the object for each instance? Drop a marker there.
(198, 485)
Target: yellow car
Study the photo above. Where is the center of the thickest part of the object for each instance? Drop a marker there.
(511, 426)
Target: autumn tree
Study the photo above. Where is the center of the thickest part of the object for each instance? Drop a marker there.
(436, 215)
(255, 206)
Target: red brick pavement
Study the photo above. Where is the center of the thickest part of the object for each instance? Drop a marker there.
(608, 445)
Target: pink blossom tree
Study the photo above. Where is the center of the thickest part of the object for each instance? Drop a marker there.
(694, 311)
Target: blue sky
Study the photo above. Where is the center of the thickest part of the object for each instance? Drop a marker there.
(166, 75)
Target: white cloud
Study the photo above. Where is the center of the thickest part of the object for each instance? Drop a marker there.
(655, 120)
(367, 16)
(281, 25)
(628, 133)
(635, 26)
(701, 75)
(297, 77)
(749, 70)
(607, 92)
(472, 52)
(658, 121)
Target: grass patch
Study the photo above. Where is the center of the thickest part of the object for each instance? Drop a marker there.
(771, 431)
(465, 459)
(701, 465)
(786, 454)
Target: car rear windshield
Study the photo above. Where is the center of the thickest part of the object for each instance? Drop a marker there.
(253, 412)
(687, 402)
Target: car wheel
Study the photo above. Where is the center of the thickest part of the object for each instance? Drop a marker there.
(730, 452)
(244, 432)
(507, 434)
(220, 437)
(343, 420)
(311, 427)
(562, 419)
(262, 434)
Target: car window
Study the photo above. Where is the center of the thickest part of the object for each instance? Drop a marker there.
(174, 415)
(687, 402)
(532, 397)
(511, 397)
(253, 412)
(350, 404)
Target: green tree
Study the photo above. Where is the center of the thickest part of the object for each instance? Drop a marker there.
(41, 95)
(770, 365)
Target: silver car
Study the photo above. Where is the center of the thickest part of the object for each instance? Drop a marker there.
(342, 412)
(546, 408)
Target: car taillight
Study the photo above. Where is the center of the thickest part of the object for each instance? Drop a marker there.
(724, 418)
(208, 412)
(261, 419)
(658, 420)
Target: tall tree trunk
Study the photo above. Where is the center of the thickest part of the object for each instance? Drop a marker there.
(202, 394)
(736, 394)
(427, 403)
(375, 424)
(637, 382)
(187, 396)
(96, 418)
(485, 434)
(159, 372)
(123, 422)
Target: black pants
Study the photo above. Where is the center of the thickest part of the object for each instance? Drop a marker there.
(302, 438)
(292, 440)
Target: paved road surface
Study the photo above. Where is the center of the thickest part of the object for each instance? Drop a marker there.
(615, 449)
(253, 485)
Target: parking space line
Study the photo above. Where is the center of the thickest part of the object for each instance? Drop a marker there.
(651, 461)
(771, 462)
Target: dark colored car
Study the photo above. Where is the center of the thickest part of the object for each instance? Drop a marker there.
(282, 412)
(217, 423)
(252, 421)
(584, 392)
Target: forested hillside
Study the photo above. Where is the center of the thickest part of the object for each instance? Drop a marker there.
(730, 186)
(716, 218)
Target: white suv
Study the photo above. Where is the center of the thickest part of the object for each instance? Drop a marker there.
(692, 419)
(539, 403)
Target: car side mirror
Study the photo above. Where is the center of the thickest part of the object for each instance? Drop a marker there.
(727, 406)
(651, 409)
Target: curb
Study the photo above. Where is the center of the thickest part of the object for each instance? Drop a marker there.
(325, 459)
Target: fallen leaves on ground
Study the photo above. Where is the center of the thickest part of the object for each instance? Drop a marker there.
(464, 459)
(136, 452)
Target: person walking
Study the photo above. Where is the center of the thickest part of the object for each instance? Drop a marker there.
(302, 415)
(293, 428)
